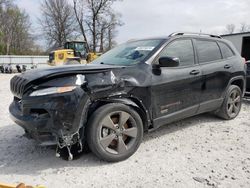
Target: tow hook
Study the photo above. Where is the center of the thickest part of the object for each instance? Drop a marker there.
(70, 158)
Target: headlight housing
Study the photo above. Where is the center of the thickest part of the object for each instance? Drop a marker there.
(52, 90)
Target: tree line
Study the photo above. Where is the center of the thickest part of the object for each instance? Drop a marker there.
(93, 21)
(15, 36)
(231, 28)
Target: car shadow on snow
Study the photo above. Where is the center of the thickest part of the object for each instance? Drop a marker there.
(194, 121)
(22, 156)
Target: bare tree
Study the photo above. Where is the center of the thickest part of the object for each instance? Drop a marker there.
(5, 3)
(96, 9)
(96, 18)
(57, 21)
(244, 27)
(15, 37)
(112, 30)
(108, 25)
(230, 28)
(79, 10)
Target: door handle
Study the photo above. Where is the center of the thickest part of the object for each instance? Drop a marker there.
(227, 66)
(195, 72)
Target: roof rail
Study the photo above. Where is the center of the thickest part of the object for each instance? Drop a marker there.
(199, 34)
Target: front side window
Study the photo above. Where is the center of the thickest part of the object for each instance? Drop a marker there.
(71, 45)
(226, 51)
(182, 49)
(208, 51)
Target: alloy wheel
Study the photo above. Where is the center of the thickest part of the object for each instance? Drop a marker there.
(234, 102)
(118, 132)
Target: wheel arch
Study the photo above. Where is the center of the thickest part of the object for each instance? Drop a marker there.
(136, 104)
(239, 81)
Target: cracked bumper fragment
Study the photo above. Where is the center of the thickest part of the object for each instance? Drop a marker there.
(46, 118)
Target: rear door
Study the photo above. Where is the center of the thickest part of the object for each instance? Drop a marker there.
(216, 71)
(176, 91)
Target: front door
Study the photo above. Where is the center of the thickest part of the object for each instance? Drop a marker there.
(176, 91)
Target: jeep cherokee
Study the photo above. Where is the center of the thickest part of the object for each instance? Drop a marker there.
(133, 88)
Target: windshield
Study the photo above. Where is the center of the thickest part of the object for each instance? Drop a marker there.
(80, 47)
(77, 46)
(129, 53)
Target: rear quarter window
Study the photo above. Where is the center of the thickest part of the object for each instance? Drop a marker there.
(208, 51)
(226, 50)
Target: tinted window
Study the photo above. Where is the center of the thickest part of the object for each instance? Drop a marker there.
(208, 51)
(226, 51)
(182, 49)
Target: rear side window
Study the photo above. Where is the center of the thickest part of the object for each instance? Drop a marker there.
(182, 49)
(208, 51)
(226, 51)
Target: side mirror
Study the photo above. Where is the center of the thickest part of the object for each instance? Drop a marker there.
(169, 62)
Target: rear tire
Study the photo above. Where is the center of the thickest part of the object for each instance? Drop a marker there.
(231, 105)
(114, 132)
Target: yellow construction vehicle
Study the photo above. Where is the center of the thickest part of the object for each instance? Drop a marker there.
(21, 185)
(74, 52)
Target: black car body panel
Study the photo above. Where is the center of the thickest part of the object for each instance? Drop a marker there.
(173, 94)
(248, 79)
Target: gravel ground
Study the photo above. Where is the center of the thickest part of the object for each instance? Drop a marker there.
(201, 151)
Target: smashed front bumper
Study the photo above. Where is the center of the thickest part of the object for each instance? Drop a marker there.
(48, 119)
(36, 126)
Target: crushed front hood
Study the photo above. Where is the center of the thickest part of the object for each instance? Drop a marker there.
(67, 69)
(20, 83)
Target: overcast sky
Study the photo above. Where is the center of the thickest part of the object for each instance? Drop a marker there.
(145, 18)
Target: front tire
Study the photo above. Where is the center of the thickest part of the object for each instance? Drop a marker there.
(232, 103)
(114, 132)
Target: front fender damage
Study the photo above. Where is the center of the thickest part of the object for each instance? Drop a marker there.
(95, 87)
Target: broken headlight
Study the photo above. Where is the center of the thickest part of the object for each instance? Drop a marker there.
(52, 90)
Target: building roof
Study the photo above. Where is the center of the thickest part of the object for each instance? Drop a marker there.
(243, 33)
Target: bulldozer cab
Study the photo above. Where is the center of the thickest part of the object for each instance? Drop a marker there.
(79, 48)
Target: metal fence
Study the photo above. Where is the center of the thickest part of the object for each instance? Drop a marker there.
(29, 61)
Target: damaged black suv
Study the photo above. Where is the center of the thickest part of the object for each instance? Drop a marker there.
(134, 88)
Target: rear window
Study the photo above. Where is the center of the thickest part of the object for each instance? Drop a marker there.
(226, 50)
(208, 51)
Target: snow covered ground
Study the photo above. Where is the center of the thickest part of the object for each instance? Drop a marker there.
(201, 151)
